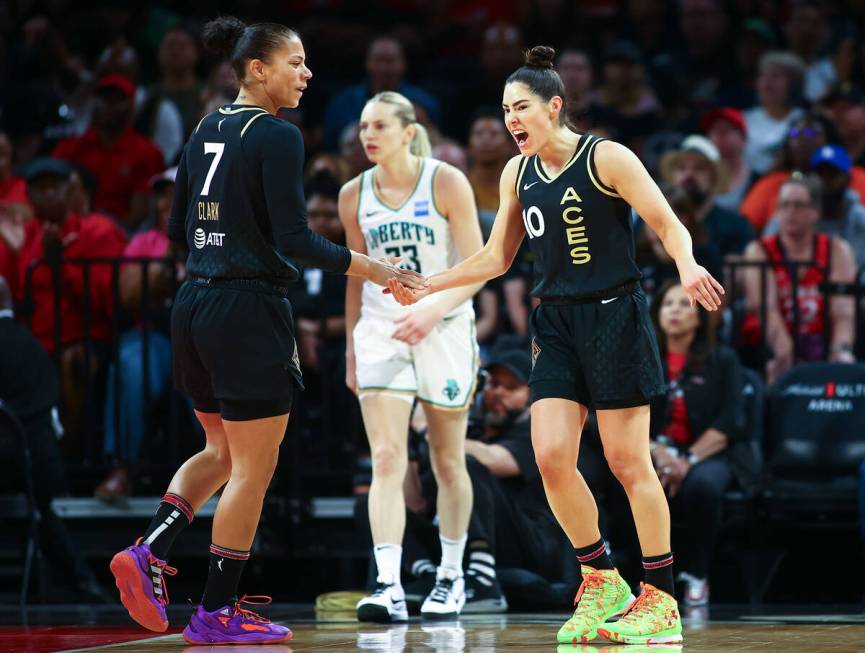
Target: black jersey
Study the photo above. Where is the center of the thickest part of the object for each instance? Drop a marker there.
(579, 230)
(239, 203)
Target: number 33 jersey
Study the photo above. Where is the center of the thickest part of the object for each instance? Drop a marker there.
(415, 231)
(578, 229)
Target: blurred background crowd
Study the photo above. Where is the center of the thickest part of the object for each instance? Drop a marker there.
(750, 114)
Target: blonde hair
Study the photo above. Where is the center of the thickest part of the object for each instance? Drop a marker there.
(404, 111)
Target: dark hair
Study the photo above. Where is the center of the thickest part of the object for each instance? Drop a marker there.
(539, 74)
(322, 183)
(704, 339)
(230, 38)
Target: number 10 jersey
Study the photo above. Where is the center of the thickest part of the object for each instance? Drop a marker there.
(415, 231)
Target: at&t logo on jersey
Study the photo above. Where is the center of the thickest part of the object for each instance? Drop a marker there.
(200, 238)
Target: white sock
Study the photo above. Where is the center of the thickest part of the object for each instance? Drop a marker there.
(388, 558)
(452, 553)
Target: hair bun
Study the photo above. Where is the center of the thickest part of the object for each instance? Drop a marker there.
(221, 35)
(541, 56)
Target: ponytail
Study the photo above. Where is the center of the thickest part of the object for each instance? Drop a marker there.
(420, 144)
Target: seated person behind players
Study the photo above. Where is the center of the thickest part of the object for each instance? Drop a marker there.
(796, 326)
(692, 426)
(511, 524)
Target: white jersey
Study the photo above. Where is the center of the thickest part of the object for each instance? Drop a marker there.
(415, 231)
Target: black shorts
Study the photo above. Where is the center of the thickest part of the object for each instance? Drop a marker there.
(600, 353)
(233, 348)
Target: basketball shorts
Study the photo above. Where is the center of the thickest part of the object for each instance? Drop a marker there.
(440, 370)
(233, 348)
(600, 353)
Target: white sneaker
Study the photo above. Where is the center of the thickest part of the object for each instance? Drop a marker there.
(385, 605)
(696, 590)
(447, 598)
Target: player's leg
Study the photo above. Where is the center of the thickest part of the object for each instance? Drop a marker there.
(139, 569)
(253, 434)
(556, 428)
(446, 435)
(386, 419)
(654, 618)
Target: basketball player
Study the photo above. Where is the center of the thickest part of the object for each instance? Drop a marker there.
(593, 344)
(239, 207)
(422, 210)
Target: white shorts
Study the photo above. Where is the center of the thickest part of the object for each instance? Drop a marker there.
(440, 370)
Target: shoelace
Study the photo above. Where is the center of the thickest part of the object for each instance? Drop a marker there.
(647, 600)
(441, 590)
(590, 586)
(249, 614)
(164, 570)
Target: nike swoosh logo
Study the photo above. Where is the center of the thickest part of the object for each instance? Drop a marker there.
(369, 214)
(607, 301)
(527, 186)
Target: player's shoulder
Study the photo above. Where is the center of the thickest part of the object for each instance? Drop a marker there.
(349, 196)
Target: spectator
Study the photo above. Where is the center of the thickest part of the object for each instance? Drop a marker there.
(656, 264)
(843, 213)
(221, 88)
(705, 55)
(351, 151)
(122, 159)
(824, 74)
(490, 147)
(726, 128)
(795, 328)
(157, 118)
(28, 385)
(12, 187)
(692, 426)
(575, 68)
(846, 107)
(624, 99)
(57, 233)
(696, 167)
(807, 33)
(127, 411)
(779, 91)
(386, 69)
(451, 152)
(179, 82)
(804, 138)
(511, 524)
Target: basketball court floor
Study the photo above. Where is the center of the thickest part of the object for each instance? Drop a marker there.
(819, 628)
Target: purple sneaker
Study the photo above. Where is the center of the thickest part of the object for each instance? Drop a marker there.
(234, 625)
(138, 575)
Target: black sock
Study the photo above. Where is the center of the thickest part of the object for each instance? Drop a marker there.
(594, 555)
(658, 571)
(223, 577)
(172, 516)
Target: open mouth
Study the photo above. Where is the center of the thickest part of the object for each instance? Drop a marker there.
(521, 136)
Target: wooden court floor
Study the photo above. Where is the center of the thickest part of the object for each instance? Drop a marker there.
(477, 634)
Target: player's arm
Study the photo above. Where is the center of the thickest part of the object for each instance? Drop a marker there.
(176, 227)
(281, 146)
(454, 195)
(620, 169)
(842, 307)
(348, 200)
(494, 258)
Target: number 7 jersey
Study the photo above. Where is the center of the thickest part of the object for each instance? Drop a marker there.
(415, 231)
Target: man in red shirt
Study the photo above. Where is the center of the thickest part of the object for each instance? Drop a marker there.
(122, 159)
(57, 234)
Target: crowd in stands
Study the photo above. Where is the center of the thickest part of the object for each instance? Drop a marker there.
(750, 115)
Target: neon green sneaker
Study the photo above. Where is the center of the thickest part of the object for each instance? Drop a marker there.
(602, 595)
(652, 619)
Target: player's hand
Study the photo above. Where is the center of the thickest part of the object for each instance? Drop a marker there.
(405, 296)
(701, 286)
(380, 271)
(415, 326)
